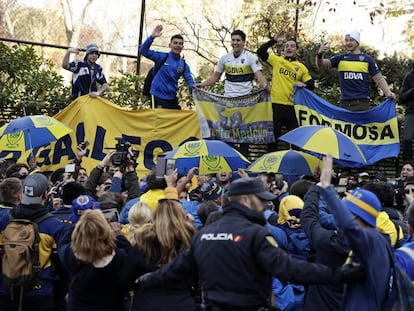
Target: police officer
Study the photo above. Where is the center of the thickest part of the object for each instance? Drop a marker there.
(236, 257)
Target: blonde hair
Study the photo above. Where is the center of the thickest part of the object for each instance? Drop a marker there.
(139, 214)
(93, 238)
(168, 235)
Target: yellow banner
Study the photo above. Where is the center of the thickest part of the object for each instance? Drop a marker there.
(97, 120)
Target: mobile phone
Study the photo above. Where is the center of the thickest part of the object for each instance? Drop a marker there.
(170, 166)
(164, 166)
(70, 168)
(160, 167)
(84, 144)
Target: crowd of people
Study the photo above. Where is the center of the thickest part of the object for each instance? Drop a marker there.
(232, 241)
(110, 240)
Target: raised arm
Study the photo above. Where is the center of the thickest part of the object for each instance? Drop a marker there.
(322, 63)
(65, 61)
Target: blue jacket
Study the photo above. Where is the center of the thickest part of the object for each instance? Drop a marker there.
(165, 83)
(51, 231)
(235, 258)
(404, 261)
(371, 249)
(330, 249)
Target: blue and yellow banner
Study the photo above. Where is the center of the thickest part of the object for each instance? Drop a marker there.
(375, 131)
(151, 132)
(244, 119)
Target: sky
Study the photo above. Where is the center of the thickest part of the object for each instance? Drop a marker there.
(384, 34)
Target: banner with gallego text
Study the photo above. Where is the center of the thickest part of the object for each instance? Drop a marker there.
(97, 120)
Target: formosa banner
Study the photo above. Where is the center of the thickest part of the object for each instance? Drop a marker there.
(244, 119)
(375, 131)
(97, 120)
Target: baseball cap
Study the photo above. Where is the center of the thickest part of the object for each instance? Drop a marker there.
(364, 204)
(80, 205)
(34, 186)
(250, 186)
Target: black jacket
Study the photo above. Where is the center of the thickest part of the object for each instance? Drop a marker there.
(235, 259)
(330, 249)
(407, 92)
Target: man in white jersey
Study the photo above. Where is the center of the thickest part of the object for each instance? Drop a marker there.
(241, 68)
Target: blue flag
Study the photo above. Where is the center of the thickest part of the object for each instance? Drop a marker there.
(375, 131)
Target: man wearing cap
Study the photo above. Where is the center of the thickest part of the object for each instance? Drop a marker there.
(356, 215)
(235, 257)
(86, 73)
(32, 207)
(354, 69)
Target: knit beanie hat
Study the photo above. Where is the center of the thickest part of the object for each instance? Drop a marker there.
(290, 209)
(90, 48)
(365, 204)
(354, 34)
(71, 191)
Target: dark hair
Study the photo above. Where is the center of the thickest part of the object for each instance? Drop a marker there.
(205, 208)
(57, 175)
(14, 168)
(383, 190)
(408, 162)
(103, 178)
(240, 33)
(154, 182)
(300, 187)
(10, 188)
(111, 200)
(177, 36)
(71, 191)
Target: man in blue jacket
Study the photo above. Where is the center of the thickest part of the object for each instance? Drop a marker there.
(356, 216)
(236, 257)
(164, 86)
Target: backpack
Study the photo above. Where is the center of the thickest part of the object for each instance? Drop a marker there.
(150, 76)
(20, 254)
(401, 288)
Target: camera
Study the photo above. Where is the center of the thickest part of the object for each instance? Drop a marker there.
(120, 157)
(399, 193)
(56, 190)
(277, 184)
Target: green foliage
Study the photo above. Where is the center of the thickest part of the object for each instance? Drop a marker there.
(125, 91)
(29, 84)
